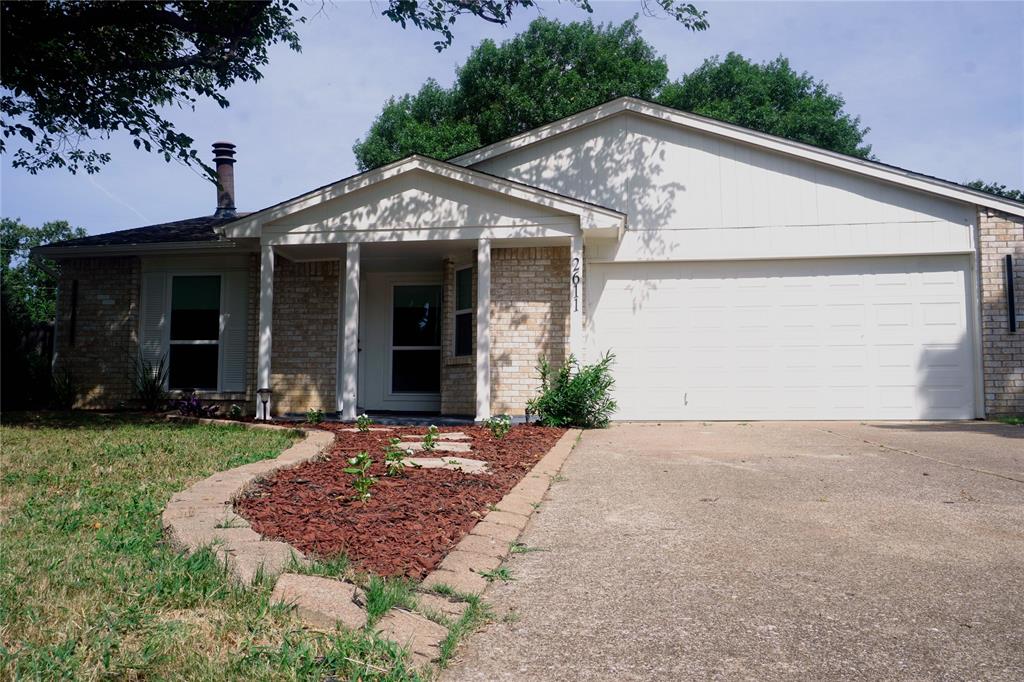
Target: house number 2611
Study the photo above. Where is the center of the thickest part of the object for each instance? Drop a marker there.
(576, 284)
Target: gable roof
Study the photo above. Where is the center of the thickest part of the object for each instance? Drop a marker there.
(592, 216)
(875, 169)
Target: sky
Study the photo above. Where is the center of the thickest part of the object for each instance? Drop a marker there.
(941, 86)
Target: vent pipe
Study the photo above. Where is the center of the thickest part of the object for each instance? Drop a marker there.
(224, 159)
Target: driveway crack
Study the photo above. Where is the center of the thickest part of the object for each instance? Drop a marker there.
(920, 456)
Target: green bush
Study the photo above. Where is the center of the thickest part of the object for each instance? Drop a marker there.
(574, 394)
(149, 383)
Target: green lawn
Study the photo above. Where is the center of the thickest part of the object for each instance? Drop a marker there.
(87, 588)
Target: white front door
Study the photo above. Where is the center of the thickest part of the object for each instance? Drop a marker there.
(853, 338)
(400, 342)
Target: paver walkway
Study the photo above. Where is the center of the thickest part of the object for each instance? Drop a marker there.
(769, 551)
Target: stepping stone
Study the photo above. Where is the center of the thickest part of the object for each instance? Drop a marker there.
(417, 446)
(469, 466)
(321, 602)
(428, 603)
(420, 635)
(454, 435)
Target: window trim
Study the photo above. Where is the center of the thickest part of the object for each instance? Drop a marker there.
(219, 341)
(461, 311)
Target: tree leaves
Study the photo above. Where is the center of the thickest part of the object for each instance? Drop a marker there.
(76, 71)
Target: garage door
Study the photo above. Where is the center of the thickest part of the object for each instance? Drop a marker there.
(878, 338)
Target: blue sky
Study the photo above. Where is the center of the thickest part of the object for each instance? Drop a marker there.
(941, 86)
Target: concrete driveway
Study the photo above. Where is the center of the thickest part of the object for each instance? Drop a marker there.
(769, 551)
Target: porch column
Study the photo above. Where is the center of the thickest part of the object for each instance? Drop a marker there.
(266, 323)
(483, 331)
(350, 345)
(576, 296)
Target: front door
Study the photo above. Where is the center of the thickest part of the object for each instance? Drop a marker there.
(400, 342)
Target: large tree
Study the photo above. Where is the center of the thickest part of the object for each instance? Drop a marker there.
(549, 71)
(772, 98)
(74, 71)
(996, 188)
(553, 70)
(29, 289)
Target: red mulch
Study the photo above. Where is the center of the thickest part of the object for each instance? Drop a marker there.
(412, 521)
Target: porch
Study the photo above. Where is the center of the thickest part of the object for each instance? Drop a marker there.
(418, 287)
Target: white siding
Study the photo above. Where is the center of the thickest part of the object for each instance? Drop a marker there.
(418, 201)
(691, 195)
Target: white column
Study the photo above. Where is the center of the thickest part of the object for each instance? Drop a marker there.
(576, 296)
(350, 358)
(266, 323)
(483, 331)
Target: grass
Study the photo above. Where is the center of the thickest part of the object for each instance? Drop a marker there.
(1011, 419)
(89, 591)
(501, 573)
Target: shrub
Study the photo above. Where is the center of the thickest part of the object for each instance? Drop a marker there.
(235, 411)
(63, 389)
(575, 395)
(192, 406)
(363, 422)
(314, 415)
(499, 425)
(149, 383)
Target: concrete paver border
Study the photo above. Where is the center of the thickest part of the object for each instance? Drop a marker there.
(201, 515)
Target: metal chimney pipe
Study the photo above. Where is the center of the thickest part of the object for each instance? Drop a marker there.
(224, 159)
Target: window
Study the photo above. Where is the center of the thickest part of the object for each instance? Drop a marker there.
(464, 311)
(416, 339)
(193, 358)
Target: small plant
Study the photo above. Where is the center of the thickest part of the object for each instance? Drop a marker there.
(499, 425)
(394, 457)
(430, 439)
(63, 389)
(500, 573)
(574, 394)
(150, 380)
(359, 466)
(235, 411)
(314, 415)
(191, 405)
(363, 422)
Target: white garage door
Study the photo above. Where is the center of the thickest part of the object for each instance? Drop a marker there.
(872, 338)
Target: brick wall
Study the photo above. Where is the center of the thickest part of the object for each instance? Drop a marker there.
(529, 317)
(100, 352)
(1002, 350)
(458, 374)
(305, 335)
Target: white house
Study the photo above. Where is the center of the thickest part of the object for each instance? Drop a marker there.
(734, 274)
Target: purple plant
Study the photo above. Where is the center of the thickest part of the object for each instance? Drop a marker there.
(192, 406)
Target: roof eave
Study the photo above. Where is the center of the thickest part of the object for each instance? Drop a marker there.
(159, 248)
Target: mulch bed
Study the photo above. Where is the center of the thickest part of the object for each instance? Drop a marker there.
(412, 521)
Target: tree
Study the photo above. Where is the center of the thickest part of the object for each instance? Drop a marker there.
(439, 16)
(29, 290)
(996, 188)
(74, 71)
(554, 70)
(77, 70)
(772, 98)
(549, 71)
